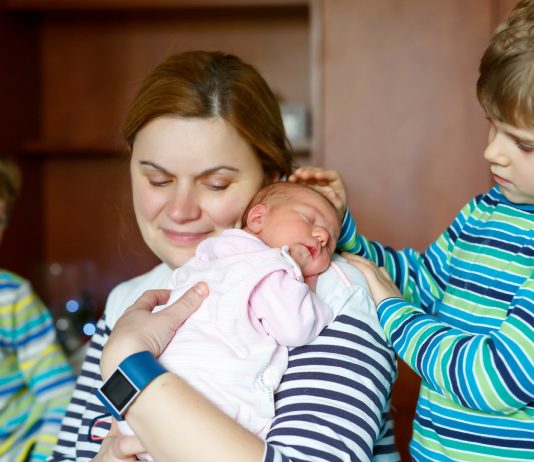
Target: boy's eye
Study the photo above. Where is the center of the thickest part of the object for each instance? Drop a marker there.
(525, 147)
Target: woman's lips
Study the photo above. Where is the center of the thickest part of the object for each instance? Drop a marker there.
(184, 238)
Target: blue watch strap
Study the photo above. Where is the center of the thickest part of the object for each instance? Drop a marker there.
(123, 386)
(141, 368)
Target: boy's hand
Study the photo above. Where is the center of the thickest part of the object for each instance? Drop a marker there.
(380, 283)
(327, 182)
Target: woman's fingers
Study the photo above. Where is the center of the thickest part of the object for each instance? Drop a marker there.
(139, 329)
(119, 448)
(178, 312)
(150, 299)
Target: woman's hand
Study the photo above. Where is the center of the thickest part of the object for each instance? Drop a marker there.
(118, 448)
(138, 329)
(379, 281)
(328, 182)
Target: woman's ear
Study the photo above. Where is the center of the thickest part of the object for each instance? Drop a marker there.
(256, 218)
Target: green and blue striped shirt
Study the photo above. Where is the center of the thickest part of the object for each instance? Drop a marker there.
(36, 380)
(467, 328)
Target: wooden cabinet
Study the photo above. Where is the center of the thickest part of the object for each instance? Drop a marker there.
(390, 85)
(88, 59)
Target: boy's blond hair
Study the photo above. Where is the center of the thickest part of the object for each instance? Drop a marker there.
(505, 87)
(10, 180)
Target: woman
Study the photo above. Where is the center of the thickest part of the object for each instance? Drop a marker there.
(206, 133)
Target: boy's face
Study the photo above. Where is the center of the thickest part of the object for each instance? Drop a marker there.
(308, 224)
(510, 152)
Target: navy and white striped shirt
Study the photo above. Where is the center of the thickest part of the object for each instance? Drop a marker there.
(332, 405)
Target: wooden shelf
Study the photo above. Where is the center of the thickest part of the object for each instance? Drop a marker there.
(56, 150)
(73, 5)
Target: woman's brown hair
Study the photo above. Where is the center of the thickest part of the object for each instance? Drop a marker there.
(214, 84)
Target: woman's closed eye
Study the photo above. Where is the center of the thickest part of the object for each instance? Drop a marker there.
(216, 181)
(216, 186)
(159, 181)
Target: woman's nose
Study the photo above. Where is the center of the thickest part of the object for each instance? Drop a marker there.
(183, 205)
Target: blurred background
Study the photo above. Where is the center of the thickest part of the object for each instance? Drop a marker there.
(382, 90)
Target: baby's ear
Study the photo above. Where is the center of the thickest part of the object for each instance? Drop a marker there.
(256, 218)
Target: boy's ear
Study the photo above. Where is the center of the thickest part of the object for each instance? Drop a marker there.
(256, 218)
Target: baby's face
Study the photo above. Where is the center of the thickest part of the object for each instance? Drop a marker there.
(308, 224)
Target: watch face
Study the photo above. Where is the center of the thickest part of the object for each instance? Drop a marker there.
(119, 390)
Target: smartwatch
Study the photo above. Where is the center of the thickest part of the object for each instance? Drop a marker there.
(126, 383)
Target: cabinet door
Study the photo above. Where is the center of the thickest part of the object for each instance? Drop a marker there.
(401, 117)
(402, 122)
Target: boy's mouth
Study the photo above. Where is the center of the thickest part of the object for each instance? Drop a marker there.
(500, 180)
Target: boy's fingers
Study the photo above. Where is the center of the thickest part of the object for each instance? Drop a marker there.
(350, 257)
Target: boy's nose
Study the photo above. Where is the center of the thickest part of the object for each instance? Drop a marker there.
(495, 152)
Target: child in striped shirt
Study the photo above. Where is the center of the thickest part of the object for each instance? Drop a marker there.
(466, 322)
(35, 378)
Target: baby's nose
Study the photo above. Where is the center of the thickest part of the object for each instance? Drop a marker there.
(322, 235)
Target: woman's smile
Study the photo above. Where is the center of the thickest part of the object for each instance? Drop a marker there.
(185, 238)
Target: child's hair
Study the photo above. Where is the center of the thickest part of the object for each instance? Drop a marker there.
(505, 87)
(10, 180)
(276, 192)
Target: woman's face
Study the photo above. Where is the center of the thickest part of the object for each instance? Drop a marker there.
(191, 179)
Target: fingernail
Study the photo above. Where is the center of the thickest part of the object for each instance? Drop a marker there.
(201, 289)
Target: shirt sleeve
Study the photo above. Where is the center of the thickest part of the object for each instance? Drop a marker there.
(420, 277)
(491, 373)
(43, 365)
(333, 401)
(288, 309)
(87, 421)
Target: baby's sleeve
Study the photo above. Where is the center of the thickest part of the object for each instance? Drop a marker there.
(288, 310)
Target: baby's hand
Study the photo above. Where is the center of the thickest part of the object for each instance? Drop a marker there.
(327, 182)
